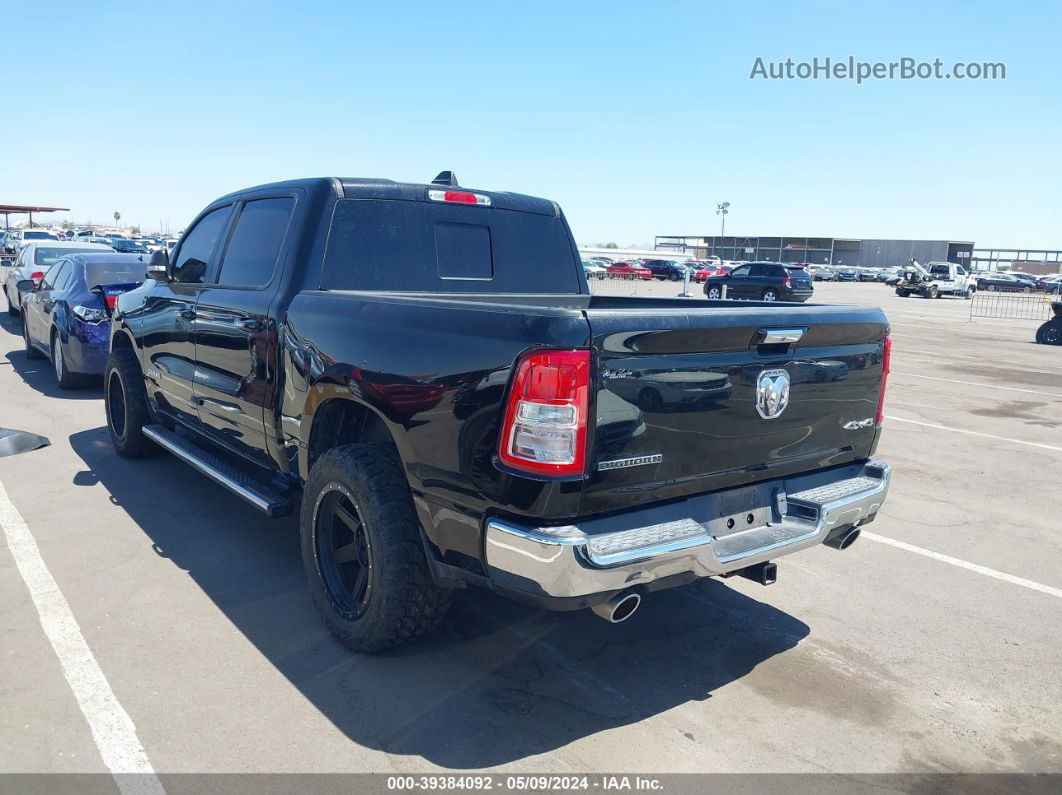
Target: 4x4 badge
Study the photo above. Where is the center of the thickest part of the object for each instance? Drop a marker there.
(772, 393)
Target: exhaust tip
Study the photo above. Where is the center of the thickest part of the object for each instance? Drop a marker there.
(619, 608)
(843, 539)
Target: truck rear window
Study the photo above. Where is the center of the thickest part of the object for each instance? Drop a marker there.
(410, 246)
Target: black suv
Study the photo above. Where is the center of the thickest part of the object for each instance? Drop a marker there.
(665, 269)
(764, 281)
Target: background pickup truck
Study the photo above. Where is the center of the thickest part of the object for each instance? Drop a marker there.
(421, 372)
(935, 279)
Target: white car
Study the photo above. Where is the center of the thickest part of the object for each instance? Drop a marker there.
(820, 273)
(37, 256)
(22, 237)
(593, 270)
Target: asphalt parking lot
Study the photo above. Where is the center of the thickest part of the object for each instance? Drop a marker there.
(934, 644)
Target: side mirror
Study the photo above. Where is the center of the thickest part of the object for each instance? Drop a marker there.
(159, 266)
(25, 286)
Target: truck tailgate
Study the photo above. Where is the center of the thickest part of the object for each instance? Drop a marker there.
(683, 388)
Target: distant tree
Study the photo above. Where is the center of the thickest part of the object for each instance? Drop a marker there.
(611, 245)
(117, 216)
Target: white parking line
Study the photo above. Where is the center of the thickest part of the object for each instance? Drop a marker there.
(974, 433)
(963, 564)
(976, 383)
(112, 728)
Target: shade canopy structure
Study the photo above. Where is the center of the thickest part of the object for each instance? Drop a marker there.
(22, 209)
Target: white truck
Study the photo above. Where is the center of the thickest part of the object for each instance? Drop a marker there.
(934, 280)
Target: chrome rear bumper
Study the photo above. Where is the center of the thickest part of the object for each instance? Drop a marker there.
(705, 536)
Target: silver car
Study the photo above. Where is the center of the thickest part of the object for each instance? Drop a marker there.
(37, 256)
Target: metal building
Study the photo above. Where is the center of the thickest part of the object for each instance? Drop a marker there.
(818, 250)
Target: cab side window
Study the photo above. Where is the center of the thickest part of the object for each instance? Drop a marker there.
(198, 246)
(759, 270)
(740, 273)
(251, 255)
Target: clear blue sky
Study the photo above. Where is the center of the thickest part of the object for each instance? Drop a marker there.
(637, 117)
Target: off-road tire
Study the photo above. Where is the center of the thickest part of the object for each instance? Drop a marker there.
(123, 387)
(404, 603)
(1050, 333)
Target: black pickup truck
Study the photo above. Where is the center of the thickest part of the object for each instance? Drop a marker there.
(420, 370)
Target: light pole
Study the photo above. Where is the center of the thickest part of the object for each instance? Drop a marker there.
(721, 210)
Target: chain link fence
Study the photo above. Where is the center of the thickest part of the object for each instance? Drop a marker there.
(1010, 306)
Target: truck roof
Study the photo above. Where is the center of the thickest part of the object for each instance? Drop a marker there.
(378, 188)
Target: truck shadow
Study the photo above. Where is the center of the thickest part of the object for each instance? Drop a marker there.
(498, 683)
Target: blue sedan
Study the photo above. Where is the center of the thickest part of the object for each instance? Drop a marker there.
(67, 317)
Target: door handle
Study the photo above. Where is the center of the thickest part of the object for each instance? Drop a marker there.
(186, 314)
(249, 324)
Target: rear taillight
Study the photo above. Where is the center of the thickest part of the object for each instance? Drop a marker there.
(886, 358)
(459, 197)
(37, 277)
(787, 282)
(545, 418)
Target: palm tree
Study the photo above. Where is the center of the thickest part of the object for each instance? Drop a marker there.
(117, 217)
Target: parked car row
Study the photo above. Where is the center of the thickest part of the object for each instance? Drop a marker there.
(1050, 284)
(1014, 282)
(65, 292)
(763, 281)
(13, 240)
(636, 269)
(34, 260)
(662, 269)
(849, 273)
